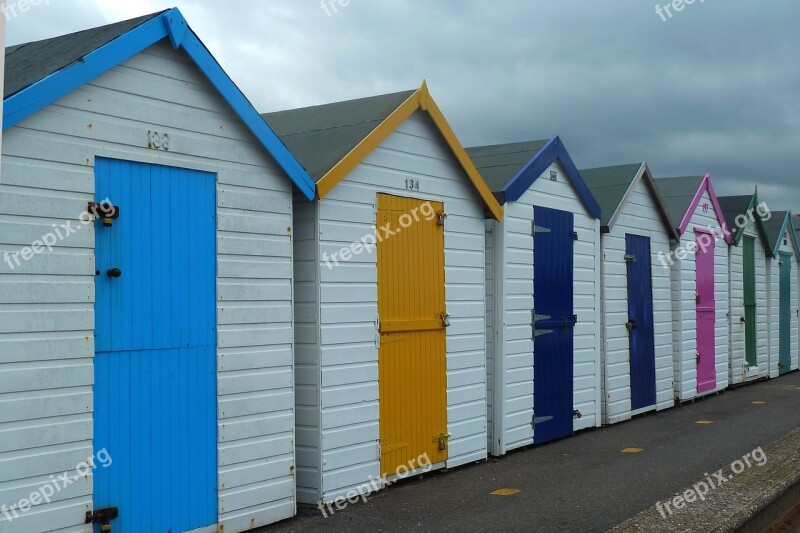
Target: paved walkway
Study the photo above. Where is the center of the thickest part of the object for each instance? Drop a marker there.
(584, 483)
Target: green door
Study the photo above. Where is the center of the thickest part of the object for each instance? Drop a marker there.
(750, 314)
(785, 312)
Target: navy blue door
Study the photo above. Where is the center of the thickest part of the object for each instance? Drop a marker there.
(640, 322)
(554, 324)
(155, 348)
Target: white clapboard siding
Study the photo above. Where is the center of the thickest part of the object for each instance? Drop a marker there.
(347, 432)
(740, 370)
(774, 285)
(513, 361)
(47, 337)
(684, 312)
(639, 215)
(492, 229)
(307, 374)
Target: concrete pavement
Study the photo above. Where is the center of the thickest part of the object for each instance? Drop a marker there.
(584, 483)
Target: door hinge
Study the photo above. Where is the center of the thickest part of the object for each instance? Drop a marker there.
(102, 517)
(378, 331)
(540, 229)
(442, 439)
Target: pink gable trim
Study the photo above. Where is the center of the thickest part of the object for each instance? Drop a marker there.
(706, 186)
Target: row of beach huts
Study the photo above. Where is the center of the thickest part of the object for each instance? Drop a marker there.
(226, 314)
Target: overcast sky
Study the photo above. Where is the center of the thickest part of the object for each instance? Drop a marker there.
(713, 89)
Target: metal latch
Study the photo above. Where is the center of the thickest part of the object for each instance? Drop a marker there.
(698, 358)
(441, 217)
(445, 319)
(442, 439)
(105, 210)
(577, 414)
(102, 517)
(630, 258)
(631, 325)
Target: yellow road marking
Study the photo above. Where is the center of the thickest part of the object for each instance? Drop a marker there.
(759, 403)
(632, 450)
(704, 422)
(506, 492)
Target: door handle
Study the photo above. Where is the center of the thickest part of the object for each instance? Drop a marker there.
(114, 273)
(631, 325)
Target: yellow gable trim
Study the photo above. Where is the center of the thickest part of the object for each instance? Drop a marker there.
(421, 99)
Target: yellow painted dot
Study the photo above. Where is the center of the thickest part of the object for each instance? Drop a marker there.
(632, 450)
(704, 422)
(506, 492)
(759, 403)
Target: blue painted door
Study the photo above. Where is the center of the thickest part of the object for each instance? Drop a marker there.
(554, 324)
(155, 343)
(641, 332)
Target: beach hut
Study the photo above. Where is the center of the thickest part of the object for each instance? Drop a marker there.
(636, 293)
(782, 281)
(749, 298)
(146, 331)
(699, 271)
(543, 289)
(390, 294)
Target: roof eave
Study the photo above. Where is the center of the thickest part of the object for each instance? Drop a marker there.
(171, 24)
(419, 100)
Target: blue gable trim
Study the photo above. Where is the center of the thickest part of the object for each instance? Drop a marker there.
(171, 24)
(551, 152)
(787, 223)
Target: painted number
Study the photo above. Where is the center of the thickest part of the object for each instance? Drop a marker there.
(412, 185)
(158, 141)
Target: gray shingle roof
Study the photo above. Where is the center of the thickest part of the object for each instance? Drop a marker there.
(500, 163)
(29, 63)
(609, 185)
(733, 206)
(321, 136)
(773, 228)
(677, 194)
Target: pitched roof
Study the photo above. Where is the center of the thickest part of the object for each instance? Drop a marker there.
(31, 62)
(734, 206)
(321, 136)
(677, 194)
(499, 163)
(38, 74)
(333, 139)
(681, 197)
(514, 168)
(780, 223)
(611, 186)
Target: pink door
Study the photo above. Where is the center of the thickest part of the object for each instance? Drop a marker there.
(706, 309)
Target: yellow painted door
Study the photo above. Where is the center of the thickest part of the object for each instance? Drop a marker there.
(412, 362)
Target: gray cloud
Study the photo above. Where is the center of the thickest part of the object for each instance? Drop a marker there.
(714, 89)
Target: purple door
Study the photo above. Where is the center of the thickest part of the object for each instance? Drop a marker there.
(706, 309)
